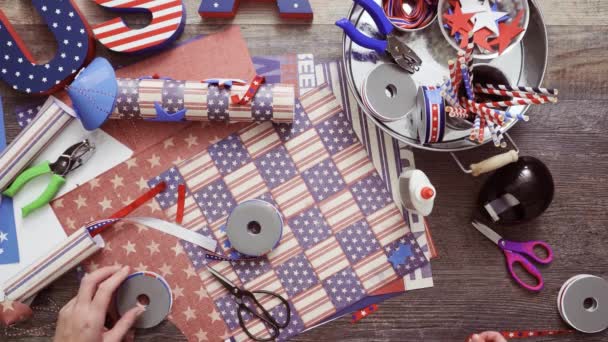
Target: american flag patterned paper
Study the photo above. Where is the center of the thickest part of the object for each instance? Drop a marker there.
(168, 20)
(389, 157)
(299, 9)
(197, 101)
(322, 212)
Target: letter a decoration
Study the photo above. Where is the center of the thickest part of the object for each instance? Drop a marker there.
(75, 47)
(168, 19)
(288, 9)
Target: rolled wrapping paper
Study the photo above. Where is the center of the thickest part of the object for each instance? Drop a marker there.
(98, 95)
(65, 256)
(70, 253)
(52, 118)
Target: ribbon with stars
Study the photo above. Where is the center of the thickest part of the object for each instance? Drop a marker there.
(254, 86)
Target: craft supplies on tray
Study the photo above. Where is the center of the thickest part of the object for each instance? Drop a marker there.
(435, 51)
(408, 15)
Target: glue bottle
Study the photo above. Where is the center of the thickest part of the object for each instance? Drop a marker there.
(417, 192)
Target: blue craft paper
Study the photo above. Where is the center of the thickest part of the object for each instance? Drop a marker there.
(9, 248)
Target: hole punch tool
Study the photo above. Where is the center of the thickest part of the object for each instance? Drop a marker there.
(393, 45)
(73, 158)
(518, 253)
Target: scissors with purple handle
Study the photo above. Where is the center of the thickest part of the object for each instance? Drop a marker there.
(516, 252)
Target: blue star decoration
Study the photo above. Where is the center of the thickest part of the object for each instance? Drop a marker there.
(399, 257)
(163, 116)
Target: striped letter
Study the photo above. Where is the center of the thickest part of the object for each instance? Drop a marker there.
(168, 19)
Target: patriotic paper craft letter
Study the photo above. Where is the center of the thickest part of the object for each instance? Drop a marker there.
(289, 9)
(75, 48)
(168, 19)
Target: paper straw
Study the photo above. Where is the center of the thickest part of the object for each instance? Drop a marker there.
(475, 130)
(534, 90)
(453, 74)
(52, 118)
(467, 82)
(516, 94)
(516, 102)
(482, 126)
(495, 116)
(468, 52)
(458, 112)
(492, 129)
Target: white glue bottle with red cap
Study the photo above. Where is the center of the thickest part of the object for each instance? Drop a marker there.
(417, 192)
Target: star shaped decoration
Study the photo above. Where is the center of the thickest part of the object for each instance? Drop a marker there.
(487, 18)
(3, 236)
(481, 39)
(472, 6)
(459, 21)
(399, 257)
(508, 32)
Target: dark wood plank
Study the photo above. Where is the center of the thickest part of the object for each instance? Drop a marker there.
(472, 291)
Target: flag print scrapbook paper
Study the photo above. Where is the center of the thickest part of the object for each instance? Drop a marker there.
(343, 238)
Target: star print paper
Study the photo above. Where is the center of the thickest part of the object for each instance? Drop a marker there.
(74, 47)
(229, 154)
(127, 99)
(324, 180)
(25, 114)
(295, 322)
(344, 288)
(215, 200)
(251, 269)
(173, 179)
(415, 260)
(173, 96)
(228, 308)
(300, 124)
(218, 101)
(276, 167)
(297, 275)
(262, 108)
(371, 194)
(357, 241)
(337, 133)
(309, 227)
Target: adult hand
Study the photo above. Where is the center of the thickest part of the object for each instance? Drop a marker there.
(83, 317)
(488, 336)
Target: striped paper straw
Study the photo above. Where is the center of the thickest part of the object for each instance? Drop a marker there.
(458, 112)
(467, 82)
(453, 74)
(475, 130)
(52, 118)
(492, 129)
(524, 95)
(447, 86)
(482, 126)
(534, 90)
(516, 102)
(496, 116)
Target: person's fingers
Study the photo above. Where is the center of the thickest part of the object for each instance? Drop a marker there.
(90, 281)
(476, 338)
(106, 289)
(66, 310)
(492, 336)
(123, 325)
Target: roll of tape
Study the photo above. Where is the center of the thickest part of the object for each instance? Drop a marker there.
(389, 92)
(147, 289)
(583, 303)
(430, 119)
(254, 227)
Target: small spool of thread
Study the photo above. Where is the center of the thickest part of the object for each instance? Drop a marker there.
(583, 303)
(146, 289)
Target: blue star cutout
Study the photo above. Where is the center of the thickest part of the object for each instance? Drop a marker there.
(400, 255)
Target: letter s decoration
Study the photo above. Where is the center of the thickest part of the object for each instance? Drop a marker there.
(75, 47)
(168, 21)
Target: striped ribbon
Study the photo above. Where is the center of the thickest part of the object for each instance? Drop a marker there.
(421, 15)
(254, 86)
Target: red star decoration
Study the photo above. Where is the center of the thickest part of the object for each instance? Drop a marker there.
(481, 39)
(460, 22)
(508, 32)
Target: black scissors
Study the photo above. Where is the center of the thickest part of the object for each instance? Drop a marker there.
(394, 45)
(247, 302)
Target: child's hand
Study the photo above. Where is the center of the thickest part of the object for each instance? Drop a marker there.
(488, 336)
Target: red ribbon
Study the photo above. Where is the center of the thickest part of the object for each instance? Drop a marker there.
(254, 86)
(181, 202)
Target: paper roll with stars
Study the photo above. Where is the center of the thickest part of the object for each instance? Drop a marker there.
(98, 95)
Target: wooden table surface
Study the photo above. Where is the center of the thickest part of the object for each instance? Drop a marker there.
(472, 290)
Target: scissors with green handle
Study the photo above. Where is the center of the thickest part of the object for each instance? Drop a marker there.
(74, 157)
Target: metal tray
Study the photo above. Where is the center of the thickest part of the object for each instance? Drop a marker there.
(523, 65)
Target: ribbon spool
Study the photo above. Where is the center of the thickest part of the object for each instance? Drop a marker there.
(389, 93)
(430, 120)
(254, 228)
(583, 303)
(147, 289)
